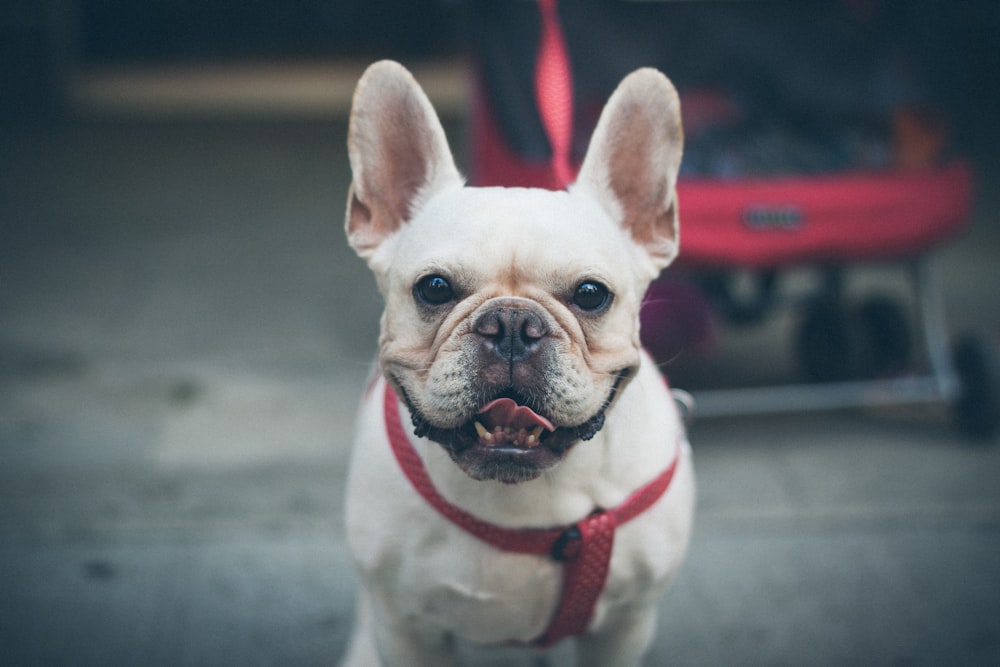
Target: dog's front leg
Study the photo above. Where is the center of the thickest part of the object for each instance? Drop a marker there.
(361, 649)
(622, 642)
(377, 641)
(404, 645)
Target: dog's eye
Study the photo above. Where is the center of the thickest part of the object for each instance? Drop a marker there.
(591, 296)
(433, 290)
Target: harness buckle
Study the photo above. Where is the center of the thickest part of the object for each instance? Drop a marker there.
(568, 545)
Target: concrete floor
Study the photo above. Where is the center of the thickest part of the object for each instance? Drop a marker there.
(183, 335)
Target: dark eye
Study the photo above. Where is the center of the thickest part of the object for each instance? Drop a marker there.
(433, 290)
(591, 296)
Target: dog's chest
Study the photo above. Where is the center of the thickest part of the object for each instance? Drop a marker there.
(490, 596)
(482, 594)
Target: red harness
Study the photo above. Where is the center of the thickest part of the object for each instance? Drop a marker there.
(584, 548)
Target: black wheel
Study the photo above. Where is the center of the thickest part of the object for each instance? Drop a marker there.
(977, 410)
(885, 344)
(743, 298)
(823, 343)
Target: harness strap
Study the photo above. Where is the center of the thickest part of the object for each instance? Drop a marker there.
(584, 548)
(554, 92)
(583, 578)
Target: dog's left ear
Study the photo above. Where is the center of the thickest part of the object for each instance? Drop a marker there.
(632, 162)
(399, 155)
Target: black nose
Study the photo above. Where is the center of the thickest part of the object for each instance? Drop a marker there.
(512, 333)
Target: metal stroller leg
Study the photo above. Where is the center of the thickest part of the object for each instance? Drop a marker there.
(930, 304)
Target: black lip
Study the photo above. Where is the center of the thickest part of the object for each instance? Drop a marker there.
(464, 437)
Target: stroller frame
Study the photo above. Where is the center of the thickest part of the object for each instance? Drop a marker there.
(939, 384)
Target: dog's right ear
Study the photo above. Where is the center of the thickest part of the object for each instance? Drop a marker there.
(399, 155)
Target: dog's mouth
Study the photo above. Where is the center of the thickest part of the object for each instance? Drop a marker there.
(508, 439)
(503, 422)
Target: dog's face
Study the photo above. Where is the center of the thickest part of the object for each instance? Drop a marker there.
(511, 315)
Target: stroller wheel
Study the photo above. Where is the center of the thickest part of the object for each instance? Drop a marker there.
(885, 343)
(823, 342)
(977, 410)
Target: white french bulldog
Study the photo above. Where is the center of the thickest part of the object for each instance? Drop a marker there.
(520, 471)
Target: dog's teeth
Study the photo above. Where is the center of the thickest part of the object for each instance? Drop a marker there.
(537, 432)
(483, 433)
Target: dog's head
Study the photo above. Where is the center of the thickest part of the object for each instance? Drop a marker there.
(511, 314)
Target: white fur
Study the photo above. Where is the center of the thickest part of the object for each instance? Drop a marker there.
(425, 580)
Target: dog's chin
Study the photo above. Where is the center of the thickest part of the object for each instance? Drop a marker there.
(507, 463)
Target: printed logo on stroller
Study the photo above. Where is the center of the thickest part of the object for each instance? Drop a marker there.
(761, 217)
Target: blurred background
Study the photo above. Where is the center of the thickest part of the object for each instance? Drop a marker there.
(184, 332)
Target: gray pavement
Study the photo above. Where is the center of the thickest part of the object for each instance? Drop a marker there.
(183, 335)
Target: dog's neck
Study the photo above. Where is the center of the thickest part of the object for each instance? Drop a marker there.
(600, 472)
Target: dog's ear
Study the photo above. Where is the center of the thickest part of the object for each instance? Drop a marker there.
(632, 162)
(399, 155)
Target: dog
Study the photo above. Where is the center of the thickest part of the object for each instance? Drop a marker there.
(520, 472)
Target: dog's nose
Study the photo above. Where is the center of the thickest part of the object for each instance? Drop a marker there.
(512, 333)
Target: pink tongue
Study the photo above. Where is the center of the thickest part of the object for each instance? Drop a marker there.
(506, 412)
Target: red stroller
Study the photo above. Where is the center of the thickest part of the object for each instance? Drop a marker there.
(802, 150)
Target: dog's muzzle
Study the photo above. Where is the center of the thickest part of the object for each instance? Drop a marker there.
(509, 433)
